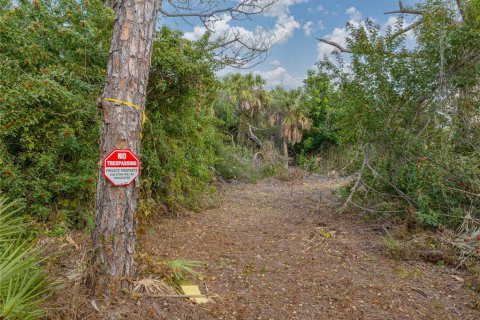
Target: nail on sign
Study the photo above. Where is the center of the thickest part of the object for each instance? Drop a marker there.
(121, 167)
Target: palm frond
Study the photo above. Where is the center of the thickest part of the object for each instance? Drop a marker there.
(22, 283)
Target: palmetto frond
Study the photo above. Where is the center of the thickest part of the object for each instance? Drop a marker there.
(290, 108)
(22, 283)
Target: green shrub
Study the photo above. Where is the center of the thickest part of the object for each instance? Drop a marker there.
(180, 134)
(413, 114)
(22, 284)
(53, 57)
(236, 163)
(309, 163)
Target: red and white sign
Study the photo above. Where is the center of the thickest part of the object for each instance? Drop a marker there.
(121, 167)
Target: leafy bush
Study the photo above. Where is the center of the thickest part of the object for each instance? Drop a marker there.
(180, 134)
(307, 163)
(236, 163)
(53, 57)
(22, 284)
(414, 114)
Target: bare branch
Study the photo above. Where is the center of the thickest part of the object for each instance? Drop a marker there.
(253, 136)
(359, 178)
(232, 47)
(336, 45)
(403, 10)
(406, 29)
(393, 36)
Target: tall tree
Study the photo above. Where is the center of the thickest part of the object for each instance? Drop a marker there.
(127, 78)
(291, 114)
(242, 99)
(123, 103)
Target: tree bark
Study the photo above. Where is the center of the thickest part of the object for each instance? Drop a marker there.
(112, 264)
(285, 153)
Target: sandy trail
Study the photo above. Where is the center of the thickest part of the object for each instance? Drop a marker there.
(281, 250)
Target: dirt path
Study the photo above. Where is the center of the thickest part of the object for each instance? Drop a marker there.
(275, 250)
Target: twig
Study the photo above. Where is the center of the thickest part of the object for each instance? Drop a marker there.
(464, 191)
(409, 200)
(254, 137)
(419, 291)
(359, 178)
(179, 296)
(406, 29)
(373, 210)
(461, 8)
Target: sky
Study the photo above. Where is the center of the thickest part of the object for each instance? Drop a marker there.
(294, 25)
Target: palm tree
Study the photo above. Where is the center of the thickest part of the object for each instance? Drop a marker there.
(290, 114)
(242, 99)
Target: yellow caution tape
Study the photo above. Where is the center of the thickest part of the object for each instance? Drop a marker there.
(144, 117)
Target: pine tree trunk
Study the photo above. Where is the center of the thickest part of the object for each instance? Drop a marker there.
(285, 153)
(112, 265)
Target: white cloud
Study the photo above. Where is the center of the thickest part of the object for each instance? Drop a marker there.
(322, 9)
(308, 28)
(354, 14)
(285, 26)
(280, 77)
(281, 7)
(275, 62)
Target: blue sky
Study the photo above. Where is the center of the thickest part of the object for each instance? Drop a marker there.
(295, 24)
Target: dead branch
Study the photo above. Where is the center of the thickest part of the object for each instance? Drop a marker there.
(254, 137)
(231, 48)
(373, 210)
(244, 9)
(357, 183)
(403, 10)
(464, 191)
(403, 195)
(336, 45)
(406, 29)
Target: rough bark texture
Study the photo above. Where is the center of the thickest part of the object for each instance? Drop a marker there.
(112, 265)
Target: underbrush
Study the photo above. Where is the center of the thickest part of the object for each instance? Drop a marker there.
(328, 159)
(237, 163)
(443, 248)
(22, 283)
(68, 263)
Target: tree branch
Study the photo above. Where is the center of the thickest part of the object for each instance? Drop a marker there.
(336, 45)
(254, 137)
(403, 10)
(231, 47)
(406, 29)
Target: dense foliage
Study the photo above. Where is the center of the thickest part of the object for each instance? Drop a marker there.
(319, 93)
(412, 114)
(180, 136)
(53, 56)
